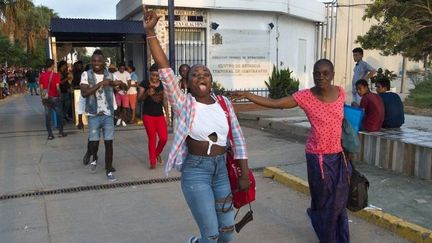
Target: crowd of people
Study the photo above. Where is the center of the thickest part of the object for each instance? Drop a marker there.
(201, 127)
(17, 80)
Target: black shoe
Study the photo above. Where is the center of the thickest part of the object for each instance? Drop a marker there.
(50, 137)
(62, 135)
(86, 159)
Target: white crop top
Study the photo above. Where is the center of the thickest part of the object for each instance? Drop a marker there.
(210, 119)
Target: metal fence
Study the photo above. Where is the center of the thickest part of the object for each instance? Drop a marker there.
(256, 91)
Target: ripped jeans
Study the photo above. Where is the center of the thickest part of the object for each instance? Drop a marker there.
(205, 186)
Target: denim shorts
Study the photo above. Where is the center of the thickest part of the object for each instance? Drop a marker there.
(98, 124)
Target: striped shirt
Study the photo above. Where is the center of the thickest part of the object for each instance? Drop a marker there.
(184, 106)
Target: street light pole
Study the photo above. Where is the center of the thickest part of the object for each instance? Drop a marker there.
(171, 33)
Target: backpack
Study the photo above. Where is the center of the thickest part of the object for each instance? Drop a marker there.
(358, 191)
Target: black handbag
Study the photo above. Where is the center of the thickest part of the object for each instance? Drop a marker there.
(358, 191)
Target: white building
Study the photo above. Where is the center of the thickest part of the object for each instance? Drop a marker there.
(239, 40)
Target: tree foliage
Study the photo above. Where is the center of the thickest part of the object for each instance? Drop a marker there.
(404, 27)
(25, 26)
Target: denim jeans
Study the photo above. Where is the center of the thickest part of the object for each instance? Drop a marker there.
(54, 105)
(206, 186)
(66, 104)
(96, 123)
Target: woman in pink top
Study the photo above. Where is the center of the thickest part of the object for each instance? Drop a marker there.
(328, 172)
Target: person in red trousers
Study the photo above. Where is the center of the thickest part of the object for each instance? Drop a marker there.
(155, 122)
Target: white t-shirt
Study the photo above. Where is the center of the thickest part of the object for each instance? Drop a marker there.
(102, 105)
(124, 77)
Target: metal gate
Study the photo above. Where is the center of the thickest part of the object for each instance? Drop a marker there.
(190, 46)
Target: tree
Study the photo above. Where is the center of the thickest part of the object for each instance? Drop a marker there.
(14, 14)
(404, 27)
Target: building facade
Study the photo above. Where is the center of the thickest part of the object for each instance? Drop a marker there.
(239, 40)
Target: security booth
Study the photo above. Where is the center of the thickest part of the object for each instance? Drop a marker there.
(124, 39)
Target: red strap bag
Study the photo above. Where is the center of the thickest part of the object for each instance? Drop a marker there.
(240, 198)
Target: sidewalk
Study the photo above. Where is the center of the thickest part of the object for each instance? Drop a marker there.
(405, 197)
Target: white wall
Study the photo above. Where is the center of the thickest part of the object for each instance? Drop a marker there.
(307, 9)
(234, 25)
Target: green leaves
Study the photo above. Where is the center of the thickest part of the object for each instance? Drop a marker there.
(404, 27)
(281, 83)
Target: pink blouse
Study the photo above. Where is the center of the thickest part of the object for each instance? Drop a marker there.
(325, 119)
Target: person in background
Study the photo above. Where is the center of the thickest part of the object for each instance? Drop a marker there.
(327, 167)
(200, 143)
(97, 87)
(65, 88)
(122, 97)
(78, 69)
(132, 92)
(394, 115)
(154, 103)
(32, 83)
(362, 70)
(183, 71)
(372, 105)
(53, 103)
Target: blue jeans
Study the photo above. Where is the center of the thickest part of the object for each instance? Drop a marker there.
(53, 105)
(96, 123)
(206, 188)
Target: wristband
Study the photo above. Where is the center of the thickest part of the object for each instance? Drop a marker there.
(151, 37)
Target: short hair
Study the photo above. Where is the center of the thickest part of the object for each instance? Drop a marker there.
(122, 64)
(385, 83)
(358, 50)
(184, 65)
(361, 82)
(132, 67)
(49, 63)
(154, 68)
(61, 63)
(325, 62)
(98, 52)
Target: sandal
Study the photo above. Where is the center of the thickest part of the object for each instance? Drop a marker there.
(50, 137)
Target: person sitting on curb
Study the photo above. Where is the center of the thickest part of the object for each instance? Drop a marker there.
(394, 115)
(372, 105)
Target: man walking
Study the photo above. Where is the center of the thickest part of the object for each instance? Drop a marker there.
(362, 70)
(97, 87)
(51, 81)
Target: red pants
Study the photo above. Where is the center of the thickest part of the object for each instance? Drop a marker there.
(155, 125)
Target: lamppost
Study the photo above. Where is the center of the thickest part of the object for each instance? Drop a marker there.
(171, 33)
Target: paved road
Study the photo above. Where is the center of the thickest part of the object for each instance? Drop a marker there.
(144, 213)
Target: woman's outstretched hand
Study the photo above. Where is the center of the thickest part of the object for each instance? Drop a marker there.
(237, 95)
(150, 19)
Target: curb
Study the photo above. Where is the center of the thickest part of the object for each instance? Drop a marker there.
(387, 221)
